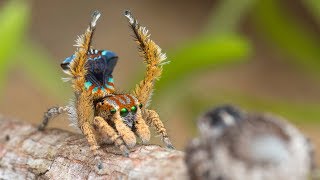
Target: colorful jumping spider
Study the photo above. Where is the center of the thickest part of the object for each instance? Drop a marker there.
(101, 112)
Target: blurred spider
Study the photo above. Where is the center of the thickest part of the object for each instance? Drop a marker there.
(235, 144)
(100, 111)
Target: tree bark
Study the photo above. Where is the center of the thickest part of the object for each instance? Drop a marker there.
(26, 153)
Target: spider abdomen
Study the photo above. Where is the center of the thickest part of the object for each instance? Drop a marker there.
(100, 65)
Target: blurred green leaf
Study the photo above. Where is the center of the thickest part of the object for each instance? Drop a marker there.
(206, 53)
(47, 74)
(14, 17)
(314, 6)
(294, 111)
(287, 35)
(219, 46)
(227, 16)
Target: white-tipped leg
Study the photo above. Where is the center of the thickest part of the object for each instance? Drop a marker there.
(95, 16)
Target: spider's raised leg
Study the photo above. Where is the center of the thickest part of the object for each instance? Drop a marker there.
(84, 101)
(141, 128)
(106, 130)
(153, 119)
(124, 131)
(78, 69)
(153, 58)
(50, 114)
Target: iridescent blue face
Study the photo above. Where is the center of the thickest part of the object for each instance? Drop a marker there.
(100, 65)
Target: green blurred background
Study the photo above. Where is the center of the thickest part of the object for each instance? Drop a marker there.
(261, 55)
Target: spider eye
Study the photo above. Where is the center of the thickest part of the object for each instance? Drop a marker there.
(134, 109)
(113, 111)
(140, 105)
(124, 112)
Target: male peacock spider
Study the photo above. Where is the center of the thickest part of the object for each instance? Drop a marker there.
(99, 110)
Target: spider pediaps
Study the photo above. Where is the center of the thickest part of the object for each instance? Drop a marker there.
(99, 110)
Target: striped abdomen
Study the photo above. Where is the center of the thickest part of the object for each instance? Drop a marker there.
(106, 88)
(99, 65)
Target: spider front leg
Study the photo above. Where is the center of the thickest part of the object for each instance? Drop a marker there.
(88, 132)
(85, 115)
(152, 118)
(50, 114)
(124, 131)
(141, 128)
(106, 130)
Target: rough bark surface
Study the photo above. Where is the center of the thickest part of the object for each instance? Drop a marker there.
(26, 153)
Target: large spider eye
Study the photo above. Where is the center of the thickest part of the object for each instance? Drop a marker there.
(140, 105)
(134, 109)
(124, 112)
(113, 111)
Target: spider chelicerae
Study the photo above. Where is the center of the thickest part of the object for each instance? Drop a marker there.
(99, 110)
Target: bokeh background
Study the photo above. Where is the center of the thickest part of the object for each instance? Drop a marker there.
(261, 55)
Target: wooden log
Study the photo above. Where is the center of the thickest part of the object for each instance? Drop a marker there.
(26, 153)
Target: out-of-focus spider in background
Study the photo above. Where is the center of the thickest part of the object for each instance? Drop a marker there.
(99, 110)
(235, 144)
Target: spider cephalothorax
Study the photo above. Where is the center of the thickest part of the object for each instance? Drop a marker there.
(126, 104)
(99, 110)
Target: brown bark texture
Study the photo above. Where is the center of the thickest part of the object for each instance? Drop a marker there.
(26, 153)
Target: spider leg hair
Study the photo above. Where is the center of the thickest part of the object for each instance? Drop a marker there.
(124, 131)
(50, 114)
(88, 132)
(83, 99)
(83, 44)
(141, 128)
(83, 102)
(153, 119)
(106, 130)
(153, 58)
